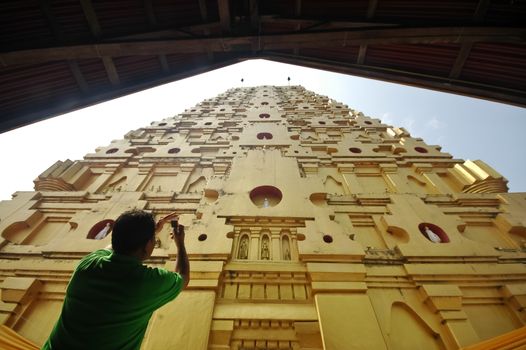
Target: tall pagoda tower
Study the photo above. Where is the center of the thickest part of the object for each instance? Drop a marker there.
(309, 226)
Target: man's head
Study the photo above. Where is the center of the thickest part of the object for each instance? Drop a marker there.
(134, 233)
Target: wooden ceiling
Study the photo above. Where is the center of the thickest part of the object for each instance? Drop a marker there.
(60, 55)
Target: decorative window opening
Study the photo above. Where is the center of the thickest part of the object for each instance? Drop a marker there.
(174, 150)
(433, 233)
(327, 238)
(112, 150)
(264, 115)
(132, 151)
(266, 196)
(264, 136)
(202, 237)
(162, 124)
(100, 230)
(420, 149)
(368, 122)
(355, 150)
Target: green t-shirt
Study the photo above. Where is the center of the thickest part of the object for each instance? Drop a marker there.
(109, 302)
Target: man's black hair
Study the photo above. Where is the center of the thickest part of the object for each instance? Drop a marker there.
(132, 230)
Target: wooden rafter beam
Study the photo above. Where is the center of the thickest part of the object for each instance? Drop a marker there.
(56, 29)
(268, 42)
(91, 17)
(79, 77)
(297, 13)
(27, 114)
(371, 8)
(111, 70)
(297, 8)
(485, 91)
(317, 25)
(224, 15)
(204, 17)
(203, 30)
(152, 21)
(462, 56)
(150, 13)
(481, 10)
(254, 14)
(203, 10)
(361, 54)
(465, 48)
(94, 26)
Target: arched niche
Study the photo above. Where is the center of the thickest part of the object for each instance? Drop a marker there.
(264, 136)
(116, 185)
(211, 195)
(332, 185)
(101, 229)
(265, 196)
(399, 234)
(285, 248)
(409, 331)
(265, 253)
(198, 185)
(16, 232)
(416, 185)
(518, 235)
(416, 180)
(243, 247)
(319, 199)
(132, 151)
(432, 231)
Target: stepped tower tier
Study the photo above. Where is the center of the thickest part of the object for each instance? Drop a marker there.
(309, 226)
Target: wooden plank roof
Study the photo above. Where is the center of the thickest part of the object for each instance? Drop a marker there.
(58, 56)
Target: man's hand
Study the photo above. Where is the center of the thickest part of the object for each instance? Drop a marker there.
(159, 226)
(182, 265)
(177, 233)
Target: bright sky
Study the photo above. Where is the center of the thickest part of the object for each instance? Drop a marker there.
(466, 128)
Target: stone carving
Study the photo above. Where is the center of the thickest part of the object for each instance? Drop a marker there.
(265, 252)
(433, 237)
(104, 232)
(285, 246)
(243, 248)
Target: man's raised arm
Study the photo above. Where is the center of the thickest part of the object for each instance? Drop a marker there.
(182, 265)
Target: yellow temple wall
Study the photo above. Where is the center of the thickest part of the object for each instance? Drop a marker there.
(305, 230)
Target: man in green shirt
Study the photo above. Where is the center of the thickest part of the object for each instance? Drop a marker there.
(112, 295)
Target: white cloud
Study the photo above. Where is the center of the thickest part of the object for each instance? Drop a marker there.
(387, 118)
(434, 123)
